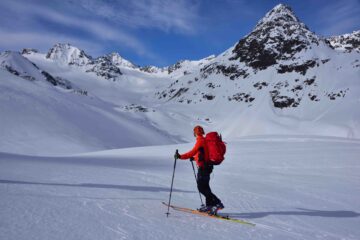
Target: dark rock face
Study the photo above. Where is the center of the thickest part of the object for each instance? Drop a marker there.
(254, 54)
(283, 101)
(278, 36)
(172, 93)
(148, 69)
(103, 67)
(29, 51)
(67, 84)
(335, 95)
(310, 81)
(313, 97)
(231, 71)
(49, 78)
(57, 81)
(175, 67)
(135, 108)
(241, 97)
(12, 71)
(347, 42)
(208, 96)
(300, 68)
(260, 85)
(325, 60)
(180, 92)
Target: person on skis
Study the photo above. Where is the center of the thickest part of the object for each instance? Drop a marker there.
(200, 154)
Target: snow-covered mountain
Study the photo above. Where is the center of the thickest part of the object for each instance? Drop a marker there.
(16, 64)
(119, 61)
(67, 54)
(68, 111)
(179, 69)
(280, 45)
(346, 42)
(281, 78)
(298, 180)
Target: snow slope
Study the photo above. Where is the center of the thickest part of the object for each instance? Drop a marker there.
(291, 188)
(53, 120)
(281, 78)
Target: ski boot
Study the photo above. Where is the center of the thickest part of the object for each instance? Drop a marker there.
(216, 208)
(205, 209)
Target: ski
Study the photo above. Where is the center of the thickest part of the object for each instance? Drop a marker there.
(193, 211)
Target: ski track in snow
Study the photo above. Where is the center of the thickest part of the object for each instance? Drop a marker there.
(289, 189)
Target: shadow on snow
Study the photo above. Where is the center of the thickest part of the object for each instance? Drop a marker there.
(99, 185)
(301, 212)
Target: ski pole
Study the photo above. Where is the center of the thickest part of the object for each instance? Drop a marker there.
(192, 164)
(172, 182)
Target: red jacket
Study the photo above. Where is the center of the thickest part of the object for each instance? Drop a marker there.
(197, 151)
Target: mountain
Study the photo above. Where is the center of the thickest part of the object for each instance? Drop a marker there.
(104, 67)
(179, 69)
(119, 61)
(281, 78)
(16, 64)
(347, 42)
(65, 109)
(277, 37)
(67, 54)
(279, 46)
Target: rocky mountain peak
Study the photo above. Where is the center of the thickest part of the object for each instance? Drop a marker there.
(68, 54)
(346, 42)
(26, 51)
(277, 36)
(107, 66)
(280, 12)
(119, 61)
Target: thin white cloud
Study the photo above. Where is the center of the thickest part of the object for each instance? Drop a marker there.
(31, 14)
(15, 41)
(339, 17)
(97, 29)
(166, 15)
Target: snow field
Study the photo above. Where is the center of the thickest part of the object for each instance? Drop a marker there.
(292, 188)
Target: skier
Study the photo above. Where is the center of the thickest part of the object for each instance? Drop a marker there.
(201, 155)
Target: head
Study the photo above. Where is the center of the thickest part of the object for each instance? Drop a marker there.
(198, 131)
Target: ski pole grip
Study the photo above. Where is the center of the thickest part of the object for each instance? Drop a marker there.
(176, 154)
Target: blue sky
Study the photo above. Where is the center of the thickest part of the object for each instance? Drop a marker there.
(157, 32)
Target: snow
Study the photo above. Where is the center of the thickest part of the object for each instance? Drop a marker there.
(67, 54)
(54, 121)
(279, 11)
(290, 187)
(120, 61)
(16, 62)
(346, 42)
(84, 142)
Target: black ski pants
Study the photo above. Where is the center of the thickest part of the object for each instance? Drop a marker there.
(203, 179)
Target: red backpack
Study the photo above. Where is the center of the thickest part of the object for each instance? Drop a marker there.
(216, 148)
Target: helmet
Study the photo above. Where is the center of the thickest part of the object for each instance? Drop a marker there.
(198, 130)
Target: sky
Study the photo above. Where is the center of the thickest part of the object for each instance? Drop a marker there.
(157, 32)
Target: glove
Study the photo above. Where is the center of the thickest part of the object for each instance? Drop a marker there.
(191, 159)
(177, 155)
